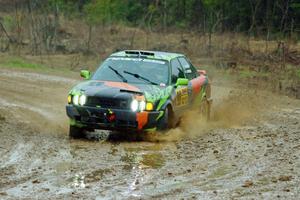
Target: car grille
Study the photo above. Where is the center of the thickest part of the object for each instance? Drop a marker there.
(107, 103)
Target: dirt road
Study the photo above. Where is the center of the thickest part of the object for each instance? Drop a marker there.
(250, 150)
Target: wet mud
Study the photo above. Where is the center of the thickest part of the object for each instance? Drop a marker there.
(249, 150)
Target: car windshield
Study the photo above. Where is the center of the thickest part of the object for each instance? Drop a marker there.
(133, 70)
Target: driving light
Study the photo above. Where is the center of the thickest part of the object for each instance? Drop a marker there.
(134, 105)
(75, 100)
(69, 99)
(149, 106)
(82, 100)
(142, 105)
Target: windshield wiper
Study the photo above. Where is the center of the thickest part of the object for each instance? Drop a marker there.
(140, 77)
(120, 75)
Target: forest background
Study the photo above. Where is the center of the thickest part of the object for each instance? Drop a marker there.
(257, 41)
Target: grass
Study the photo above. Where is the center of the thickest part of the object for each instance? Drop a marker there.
(58, 62)
(247, 74)
(298, 73)
(55, 65)
(251, 74)
(22, 63)
(29, 64)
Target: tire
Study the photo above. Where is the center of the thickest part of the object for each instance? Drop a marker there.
(76, 132)
(166, 122)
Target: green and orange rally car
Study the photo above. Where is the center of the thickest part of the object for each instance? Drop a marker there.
(137, 91)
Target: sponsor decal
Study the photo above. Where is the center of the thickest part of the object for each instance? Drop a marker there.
(181, 96)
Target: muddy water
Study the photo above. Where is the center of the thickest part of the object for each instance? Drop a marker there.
(250, 150)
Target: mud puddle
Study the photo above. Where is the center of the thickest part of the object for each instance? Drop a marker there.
(250, 150)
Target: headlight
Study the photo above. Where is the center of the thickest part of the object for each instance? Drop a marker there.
(75, 99)
(134, 105)
(82, 100)
(142, 105)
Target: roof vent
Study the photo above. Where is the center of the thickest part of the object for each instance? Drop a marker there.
(144, 53)
(139, 53)
(132, 52)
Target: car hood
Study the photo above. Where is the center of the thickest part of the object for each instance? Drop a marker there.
(111, 89)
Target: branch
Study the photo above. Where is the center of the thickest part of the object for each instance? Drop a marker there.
(5, 32)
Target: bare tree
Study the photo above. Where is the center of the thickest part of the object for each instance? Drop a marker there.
(32, 28)
(254, 4)
(284, 7)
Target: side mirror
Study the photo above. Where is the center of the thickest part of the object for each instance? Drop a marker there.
(86, 74)
(182, 82)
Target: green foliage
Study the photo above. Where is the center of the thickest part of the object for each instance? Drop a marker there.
(255, 16)
(68, 7)
(298, 73)
(8, 22)
(102, 11)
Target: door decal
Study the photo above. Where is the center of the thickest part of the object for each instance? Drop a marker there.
(182, 96)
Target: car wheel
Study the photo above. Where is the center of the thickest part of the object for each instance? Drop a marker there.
(166, 122)
(76, 132)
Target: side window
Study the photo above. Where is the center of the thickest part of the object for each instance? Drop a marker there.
(189, 70)
(177, 71)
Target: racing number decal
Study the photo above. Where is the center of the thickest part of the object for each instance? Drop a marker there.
(182, 96)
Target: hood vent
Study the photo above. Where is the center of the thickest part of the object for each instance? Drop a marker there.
(131, 91)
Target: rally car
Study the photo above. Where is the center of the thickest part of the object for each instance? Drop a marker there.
(138, 91)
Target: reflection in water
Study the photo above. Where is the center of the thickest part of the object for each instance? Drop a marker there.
(144, 160)
(78, 181)
(139, 160)
(138, 177)
(81, 181)
(155, 160)
(63, 167)
(96, 175)
(144, 157)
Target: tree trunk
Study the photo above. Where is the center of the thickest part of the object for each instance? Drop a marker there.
(32, 31)
(18, 39)
(56, 24)
(254, 7)
(89, 38)
(165, 16)
(284, 15)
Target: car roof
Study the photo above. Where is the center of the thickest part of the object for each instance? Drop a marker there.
(148, 54)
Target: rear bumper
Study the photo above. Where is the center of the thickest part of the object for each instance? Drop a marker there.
(93, 117)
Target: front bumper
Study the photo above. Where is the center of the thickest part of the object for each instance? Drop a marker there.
(93, 117)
